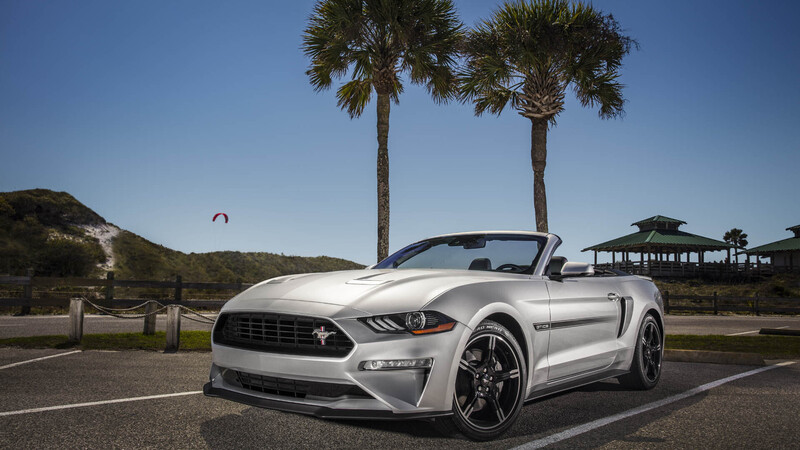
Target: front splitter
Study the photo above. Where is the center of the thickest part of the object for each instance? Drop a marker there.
(322, 412)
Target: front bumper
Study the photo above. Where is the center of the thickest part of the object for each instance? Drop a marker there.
(389, 394)
(322, 412)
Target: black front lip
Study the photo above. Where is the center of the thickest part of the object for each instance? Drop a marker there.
(322, 412)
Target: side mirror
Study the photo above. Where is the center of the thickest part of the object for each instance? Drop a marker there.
(576, 269)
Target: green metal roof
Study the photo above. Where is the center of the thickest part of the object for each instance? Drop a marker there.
(786, 245)
(658, 219)
(794, 228)
(661, 238)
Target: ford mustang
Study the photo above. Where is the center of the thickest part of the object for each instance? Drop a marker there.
(461, 329)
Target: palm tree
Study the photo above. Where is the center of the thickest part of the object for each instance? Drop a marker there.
(528, 53)
(736, 238)
(375, 41)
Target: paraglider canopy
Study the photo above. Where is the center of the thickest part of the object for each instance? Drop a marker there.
(220, 214)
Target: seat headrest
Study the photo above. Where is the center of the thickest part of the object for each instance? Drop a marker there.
(556, 263)
(480, 264)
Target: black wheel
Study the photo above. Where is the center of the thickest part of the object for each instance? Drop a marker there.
(490, 384)
(646, 365)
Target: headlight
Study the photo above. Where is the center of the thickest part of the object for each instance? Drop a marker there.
(416, 322)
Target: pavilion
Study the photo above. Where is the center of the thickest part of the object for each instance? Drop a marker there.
(784, 254)
(668, 249)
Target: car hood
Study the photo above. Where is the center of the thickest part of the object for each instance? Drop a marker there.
(356, 293)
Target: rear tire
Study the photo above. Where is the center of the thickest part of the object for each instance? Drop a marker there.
(646, 366)
(490, 385)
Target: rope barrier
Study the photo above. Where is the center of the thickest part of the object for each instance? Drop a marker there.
(112, 311)
(205, 319)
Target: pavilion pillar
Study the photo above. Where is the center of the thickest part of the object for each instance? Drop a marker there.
(595, 257)
(613, 257)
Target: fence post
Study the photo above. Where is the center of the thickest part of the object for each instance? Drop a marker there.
(150, 318)
(178, 288)
(666, 302)
(755, 306)
(75, 319)
(110, 287)
(716, 308)
(173, 328)
(28, 293)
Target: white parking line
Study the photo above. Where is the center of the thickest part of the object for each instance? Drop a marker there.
(754, 331)
(743, 332)
(580, 429)
(103, 402)
(38, 359)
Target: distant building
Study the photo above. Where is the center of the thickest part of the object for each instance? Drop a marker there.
(662, 249)
(784, 255)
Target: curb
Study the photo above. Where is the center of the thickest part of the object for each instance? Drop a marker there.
(779, 332)
(707, 356)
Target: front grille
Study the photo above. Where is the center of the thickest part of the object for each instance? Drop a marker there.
(295, 388)
(280, 333)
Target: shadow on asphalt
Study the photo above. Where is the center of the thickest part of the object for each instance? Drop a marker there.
(256, 427)
(539, 418)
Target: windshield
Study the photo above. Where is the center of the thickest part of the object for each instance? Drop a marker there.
(512, 253)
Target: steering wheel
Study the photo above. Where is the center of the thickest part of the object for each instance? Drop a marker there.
(507, 266)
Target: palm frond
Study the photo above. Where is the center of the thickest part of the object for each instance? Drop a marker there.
(537, 49)
(354, 96)
(375, 41)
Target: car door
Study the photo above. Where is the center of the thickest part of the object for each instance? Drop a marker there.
(584, 323)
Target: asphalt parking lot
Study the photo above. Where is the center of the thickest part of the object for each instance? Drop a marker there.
(758, 410)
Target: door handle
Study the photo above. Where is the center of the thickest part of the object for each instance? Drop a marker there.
(613, 297)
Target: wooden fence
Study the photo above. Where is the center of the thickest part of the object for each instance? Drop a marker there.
(38, 291)
(716, 304)
(678, 269)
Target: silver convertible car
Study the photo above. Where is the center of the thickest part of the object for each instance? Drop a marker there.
(461, 329)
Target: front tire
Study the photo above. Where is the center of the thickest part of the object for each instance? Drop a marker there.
(646, 366)
(490, 384)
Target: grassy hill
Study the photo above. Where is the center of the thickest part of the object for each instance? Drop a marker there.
(41, 229)
(53, 233)
(138, 258)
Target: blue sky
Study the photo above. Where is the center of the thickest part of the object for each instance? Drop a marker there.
(159, 114)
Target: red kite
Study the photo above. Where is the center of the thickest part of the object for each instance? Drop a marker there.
(220, 214)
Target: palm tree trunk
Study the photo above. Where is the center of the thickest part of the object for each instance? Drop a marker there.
(539, 161)
(383, 176)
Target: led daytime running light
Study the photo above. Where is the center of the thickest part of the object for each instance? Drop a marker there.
(393, 364)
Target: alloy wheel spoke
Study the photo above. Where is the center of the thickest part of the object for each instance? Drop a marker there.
(464, 365)
(501, 416)
(470, 408)
(503, 376)
(657, 348)
(490, 350)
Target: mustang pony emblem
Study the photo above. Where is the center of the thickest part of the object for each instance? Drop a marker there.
(321, 334)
